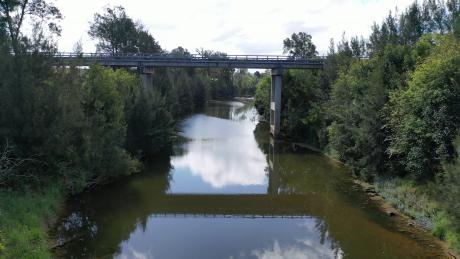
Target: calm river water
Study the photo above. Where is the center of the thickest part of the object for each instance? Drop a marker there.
(227, 191)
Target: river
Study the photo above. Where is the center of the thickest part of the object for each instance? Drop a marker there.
(227, 191)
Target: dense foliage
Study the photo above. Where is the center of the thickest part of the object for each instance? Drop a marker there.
(394, 113)
(449, 190)
(82, 127)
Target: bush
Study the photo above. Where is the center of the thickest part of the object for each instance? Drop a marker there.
(150, 126)
(424, 118)
(356, 132)
(449, 190)
(23, 216)
(262, 97)
(105, 156)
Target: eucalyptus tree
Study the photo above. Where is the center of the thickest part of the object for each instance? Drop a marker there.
(43, 15)
(116, 32)
(300, 45)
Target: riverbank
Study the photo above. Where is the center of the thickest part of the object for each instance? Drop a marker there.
(417, 210)
(25, 218)
(416, 201)
(412, 202)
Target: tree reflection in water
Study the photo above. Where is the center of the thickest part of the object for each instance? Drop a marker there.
(294, 204)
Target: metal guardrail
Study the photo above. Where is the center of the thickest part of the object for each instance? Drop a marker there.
(191, 60)
(192, 57)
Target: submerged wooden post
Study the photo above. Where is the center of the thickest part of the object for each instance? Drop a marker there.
(275, 101)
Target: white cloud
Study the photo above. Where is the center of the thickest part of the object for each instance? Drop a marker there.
(232, 26)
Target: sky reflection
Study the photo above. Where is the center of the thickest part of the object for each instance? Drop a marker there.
(224, 238)
(221, 155)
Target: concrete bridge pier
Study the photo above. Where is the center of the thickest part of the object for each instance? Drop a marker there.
(146, 74)
(275, 101)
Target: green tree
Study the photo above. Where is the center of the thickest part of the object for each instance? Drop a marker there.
(302, 105)
(116, 32)
(424, 118)
(245, 82)
(104, 109)
(356, 132)
(14, 13)
(150, 127)
(262, 97)
(300, 45)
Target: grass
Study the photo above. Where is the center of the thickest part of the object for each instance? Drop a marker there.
(419, 202)
(23, 222)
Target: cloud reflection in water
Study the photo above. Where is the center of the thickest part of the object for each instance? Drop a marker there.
(220, 152)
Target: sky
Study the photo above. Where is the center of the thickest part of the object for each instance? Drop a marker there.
(231, 26)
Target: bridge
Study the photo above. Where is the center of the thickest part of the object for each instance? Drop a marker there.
(145, 63)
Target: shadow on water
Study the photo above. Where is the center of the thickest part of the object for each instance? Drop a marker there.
(229, 191)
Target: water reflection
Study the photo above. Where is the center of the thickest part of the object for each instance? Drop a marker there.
(300, 239)
(225, 193)
(221, 152)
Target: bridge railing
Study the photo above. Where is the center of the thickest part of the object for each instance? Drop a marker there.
(191, 57)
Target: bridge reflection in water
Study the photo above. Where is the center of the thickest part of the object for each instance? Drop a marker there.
(272, 204)
(228, 190)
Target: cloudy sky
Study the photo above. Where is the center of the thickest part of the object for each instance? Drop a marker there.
(232, 26)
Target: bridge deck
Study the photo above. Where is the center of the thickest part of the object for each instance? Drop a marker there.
(168, 60)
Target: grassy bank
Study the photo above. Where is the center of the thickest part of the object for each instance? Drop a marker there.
(24, 218)
(419, 203)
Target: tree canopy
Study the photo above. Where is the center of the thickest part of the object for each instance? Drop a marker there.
(116, 32)
(300, 45)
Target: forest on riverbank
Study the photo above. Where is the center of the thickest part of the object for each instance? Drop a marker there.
(64, 129)
(388, 106)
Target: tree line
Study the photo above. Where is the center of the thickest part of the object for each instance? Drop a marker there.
(81, 126)
(388, 105)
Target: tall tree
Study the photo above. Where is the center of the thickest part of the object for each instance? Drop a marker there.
(41, 13)
(300, 45)
(116, 32)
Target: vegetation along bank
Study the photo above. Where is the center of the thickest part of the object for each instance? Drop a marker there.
(393, 116)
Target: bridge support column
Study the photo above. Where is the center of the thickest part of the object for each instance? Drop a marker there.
(146, 74)
(275, 101)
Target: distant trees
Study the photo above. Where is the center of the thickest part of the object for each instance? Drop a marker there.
(244, 82)
(431, 16)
